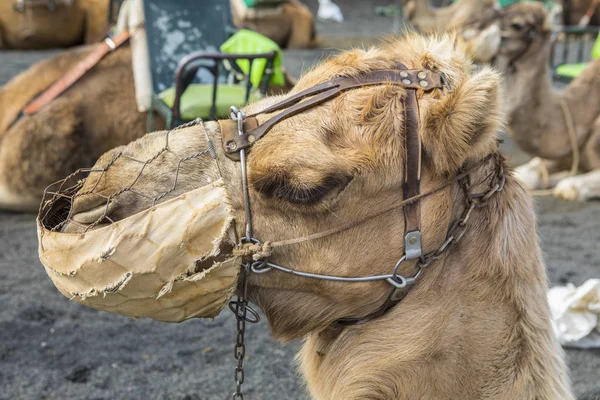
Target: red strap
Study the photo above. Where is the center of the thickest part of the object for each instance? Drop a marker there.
(75, 73)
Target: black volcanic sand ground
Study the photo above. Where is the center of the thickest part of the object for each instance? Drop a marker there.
(51, 348)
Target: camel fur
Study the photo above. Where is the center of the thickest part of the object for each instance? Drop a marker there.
(96, 114)
(467, 17)
(535, 114)
(428, 19)
(290, 25)
(476, 325)
(73, 22)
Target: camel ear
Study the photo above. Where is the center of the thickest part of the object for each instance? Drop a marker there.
(553, 20)
(463, 123)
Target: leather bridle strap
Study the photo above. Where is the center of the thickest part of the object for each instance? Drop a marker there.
(319, 94)
(240, 133)
(412, 177)
(77, 72)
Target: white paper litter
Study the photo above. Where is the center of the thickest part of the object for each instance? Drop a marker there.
(329, 11)
(576, 314)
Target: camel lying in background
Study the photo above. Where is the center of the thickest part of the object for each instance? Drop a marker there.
(471, 19)
(536, 113)
(476, 325)
(36, 25)
(427, 19)
(290, 25)
(98, 113)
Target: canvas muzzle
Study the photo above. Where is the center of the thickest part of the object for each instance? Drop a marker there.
(169, 262)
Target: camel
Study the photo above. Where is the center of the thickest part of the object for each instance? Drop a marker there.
(290, 25)
(32, 24)
(98, 113)
(540, 117)
(475, 325)
(471, 18)
(427, 19)
(80, 126)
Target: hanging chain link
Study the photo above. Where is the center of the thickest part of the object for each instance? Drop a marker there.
(459, 227)
(243, 313)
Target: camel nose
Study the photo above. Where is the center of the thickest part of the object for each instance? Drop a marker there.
(93, 215)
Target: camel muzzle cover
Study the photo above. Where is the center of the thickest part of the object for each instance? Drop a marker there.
(170, 262)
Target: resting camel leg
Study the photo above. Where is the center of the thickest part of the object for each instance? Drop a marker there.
(579, 187)
(536, 176)
(584, 186)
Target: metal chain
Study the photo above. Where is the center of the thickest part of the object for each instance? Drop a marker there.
(240, 306)
(239, 352)
(243, 313)
(459, 227)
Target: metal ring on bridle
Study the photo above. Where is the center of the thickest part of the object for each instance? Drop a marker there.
(253, 318)
(260, 267)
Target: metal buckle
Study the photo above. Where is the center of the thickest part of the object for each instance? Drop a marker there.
(412, 245)
(111, 45)
(238, 116)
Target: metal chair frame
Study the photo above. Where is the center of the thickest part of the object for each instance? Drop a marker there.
(571, 34)
(189, 66)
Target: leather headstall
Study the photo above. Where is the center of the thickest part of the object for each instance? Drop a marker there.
(233, 142)
(238, 135)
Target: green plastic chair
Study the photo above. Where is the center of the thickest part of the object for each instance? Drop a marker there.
(197, 27)
(250, 42)
(568, 72)
(196, 100)
(241, 72)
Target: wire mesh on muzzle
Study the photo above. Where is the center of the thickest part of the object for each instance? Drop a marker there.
(170, 262)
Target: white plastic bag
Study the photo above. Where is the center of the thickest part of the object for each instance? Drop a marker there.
(576, 314)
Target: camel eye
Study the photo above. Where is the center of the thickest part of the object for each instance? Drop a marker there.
(518, 26)
(298, 192)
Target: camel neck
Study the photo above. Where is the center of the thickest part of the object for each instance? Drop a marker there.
(423, 9)
(476, 307)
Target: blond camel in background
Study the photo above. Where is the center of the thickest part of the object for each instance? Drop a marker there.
(428, 19)
(98, 113)
(553, 125)
(35, 24)
(471, 19)
(475, 326)
(291, 25)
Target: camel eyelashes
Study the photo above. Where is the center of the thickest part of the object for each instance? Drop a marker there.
(293, 190)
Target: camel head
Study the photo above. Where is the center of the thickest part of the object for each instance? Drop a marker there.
(481, 35)
(526, 31)
(337, 162)
(474, 20)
